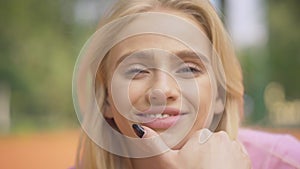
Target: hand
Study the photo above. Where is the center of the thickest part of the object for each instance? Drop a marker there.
(204, 150)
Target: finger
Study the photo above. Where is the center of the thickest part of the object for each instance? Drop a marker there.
(204, 135)
(199, 138)
(152, 144)
(155, 142)
(139, 130)
(246, 157)
(149, 132)
(150, 141)
(143, 131)
(242, 147)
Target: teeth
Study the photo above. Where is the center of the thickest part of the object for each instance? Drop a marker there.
(152, 115)
(165, 115)
(158, 116)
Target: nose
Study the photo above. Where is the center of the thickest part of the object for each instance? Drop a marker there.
(164, 90)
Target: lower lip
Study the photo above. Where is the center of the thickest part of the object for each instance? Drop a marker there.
(162, 123)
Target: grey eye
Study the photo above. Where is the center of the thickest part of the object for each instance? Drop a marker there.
(136, 71)
(189, 68)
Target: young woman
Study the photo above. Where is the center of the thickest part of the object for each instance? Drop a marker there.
(158, 86)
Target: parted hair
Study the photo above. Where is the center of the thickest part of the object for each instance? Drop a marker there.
(90, 155)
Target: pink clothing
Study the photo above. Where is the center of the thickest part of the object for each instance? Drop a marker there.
(271, 151)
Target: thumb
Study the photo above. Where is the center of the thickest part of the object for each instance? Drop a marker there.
(152, 144)
(199, 137)
(143, 131)
(204, 135)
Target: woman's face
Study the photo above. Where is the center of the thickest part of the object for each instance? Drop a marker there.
(160, 83)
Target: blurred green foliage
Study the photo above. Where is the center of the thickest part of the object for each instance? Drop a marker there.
(284, 45)
(39, 44)
(278, 61)
(40, 40)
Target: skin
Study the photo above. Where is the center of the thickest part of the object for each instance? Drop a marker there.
(169, 76)
(134, 92)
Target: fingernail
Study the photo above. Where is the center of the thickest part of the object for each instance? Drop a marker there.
(204, 135)
(139, 130)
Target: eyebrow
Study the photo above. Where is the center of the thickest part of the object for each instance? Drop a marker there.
(188, 54)
(125, 56)
(182, 54)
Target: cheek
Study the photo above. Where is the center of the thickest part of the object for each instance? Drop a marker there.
(123, 124)
(123, 95)
(205, 92)
(119, 95)
(127, 93)
(198, 95)
(197, 92)
(138, 93)
(122, 121)
(205, 112)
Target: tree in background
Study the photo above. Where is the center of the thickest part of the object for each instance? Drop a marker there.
(277, 62)
(39, 43)
(38, 52)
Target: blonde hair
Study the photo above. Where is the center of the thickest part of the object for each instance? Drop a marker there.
(92, 156)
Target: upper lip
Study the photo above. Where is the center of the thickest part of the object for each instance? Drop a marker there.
(161, 110)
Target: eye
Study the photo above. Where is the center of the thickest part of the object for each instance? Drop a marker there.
(189, 70)
(136, 72)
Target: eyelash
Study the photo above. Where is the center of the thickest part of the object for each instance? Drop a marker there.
(134, 71)
(190, 68)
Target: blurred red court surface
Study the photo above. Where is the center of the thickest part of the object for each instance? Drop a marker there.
(53, 150)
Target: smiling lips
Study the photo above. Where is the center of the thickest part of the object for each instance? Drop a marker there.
(160, 117)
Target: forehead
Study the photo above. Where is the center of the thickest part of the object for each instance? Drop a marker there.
(170, 34)
(143, 48)
(144, 42)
